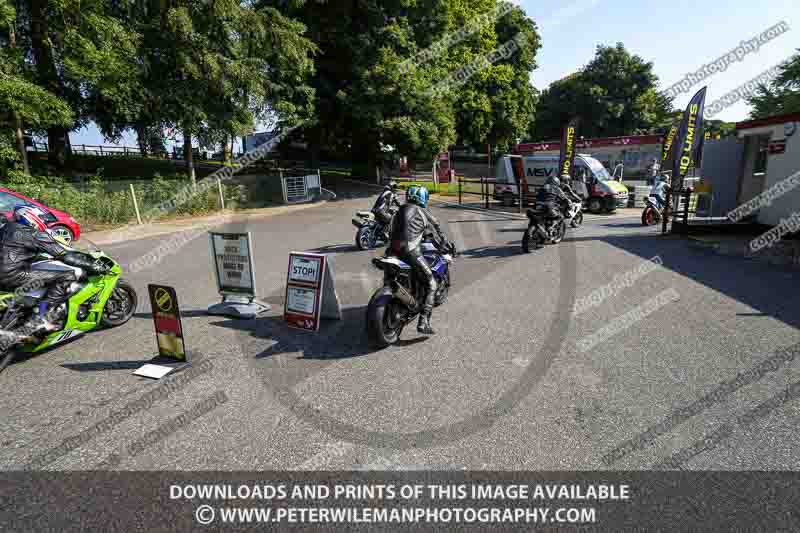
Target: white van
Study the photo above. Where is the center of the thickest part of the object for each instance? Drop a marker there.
(590, 179)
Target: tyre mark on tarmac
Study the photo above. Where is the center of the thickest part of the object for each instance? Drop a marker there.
(297, 371)
(356, 270)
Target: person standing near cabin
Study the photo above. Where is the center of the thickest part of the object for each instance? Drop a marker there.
(653, 172)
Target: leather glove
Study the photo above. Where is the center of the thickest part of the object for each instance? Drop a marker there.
(100, 267)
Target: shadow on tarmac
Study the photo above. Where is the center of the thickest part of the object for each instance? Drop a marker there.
(189, 313)
(512, 249)
(106, 365)
(766, 288)
(336, 339)
(334, 249)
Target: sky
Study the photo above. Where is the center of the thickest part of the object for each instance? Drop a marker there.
(677, 36)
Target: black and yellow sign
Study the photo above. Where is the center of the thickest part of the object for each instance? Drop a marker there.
(689, 139)
(667, 151)
(566, 157)
(167, 320)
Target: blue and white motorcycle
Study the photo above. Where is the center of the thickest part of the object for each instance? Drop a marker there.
(399, 301)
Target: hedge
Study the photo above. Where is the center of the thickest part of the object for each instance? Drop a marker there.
(91, 204)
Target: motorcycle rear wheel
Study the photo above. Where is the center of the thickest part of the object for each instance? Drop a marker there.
(648, 216)
(384, 324)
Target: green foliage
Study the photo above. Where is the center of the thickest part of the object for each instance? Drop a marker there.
(615, 94)
(91, 202)
(211, 69)
(36, 107)
(366, 99)
(782, 95)
(498, 106)
(433, 188)
(118, 167)
(9, 157)
(719, 127)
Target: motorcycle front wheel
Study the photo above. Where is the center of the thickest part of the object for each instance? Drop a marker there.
(121, 305)
(384, 323)
(577, 220)
(530, 239)
(562, 230)
(365, 238)
(442, 291)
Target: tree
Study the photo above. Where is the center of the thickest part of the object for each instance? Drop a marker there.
(211, 70)
(373, 90)
(719, 128)
(73, 49)
(21, 102)
(497, 106)
(615, 94)
(782, 95)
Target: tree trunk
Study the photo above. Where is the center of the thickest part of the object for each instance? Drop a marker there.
(57, 136)
(58, 144)
(23, 153)
(227, 148)
(20, 137)
(188, 156)
(364, 156)
(142, 138)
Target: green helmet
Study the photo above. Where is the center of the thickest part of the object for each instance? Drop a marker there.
(417, 195)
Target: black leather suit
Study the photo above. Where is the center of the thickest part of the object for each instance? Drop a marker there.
(19, 246)
(411, 224)
(551, 197)
(382, 208)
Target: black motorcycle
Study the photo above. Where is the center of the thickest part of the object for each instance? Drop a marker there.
(371, 232)
(399, 301)
(538, 233)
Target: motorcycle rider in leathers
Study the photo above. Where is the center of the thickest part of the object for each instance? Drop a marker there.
(551, 196)
(22, 240)
(411, 224)
(384, 205)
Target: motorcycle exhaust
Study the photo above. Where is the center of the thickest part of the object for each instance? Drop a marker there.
(404, 296)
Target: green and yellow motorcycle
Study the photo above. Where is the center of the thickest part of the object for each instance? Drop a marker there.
(95, 300)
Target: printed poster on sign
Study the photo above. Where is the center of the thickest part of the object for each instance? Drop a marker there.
(234, 263)
(167, 320)
(305, 282)
(300, 300)
(305, 269)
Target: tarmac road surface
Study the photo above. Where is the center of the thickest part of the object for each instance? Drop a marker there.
(513, 380)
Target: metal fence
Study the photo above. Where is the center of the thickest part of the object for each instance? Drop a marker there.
(300, 184)
(523, 198)
(684, 206)
(130, 151)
